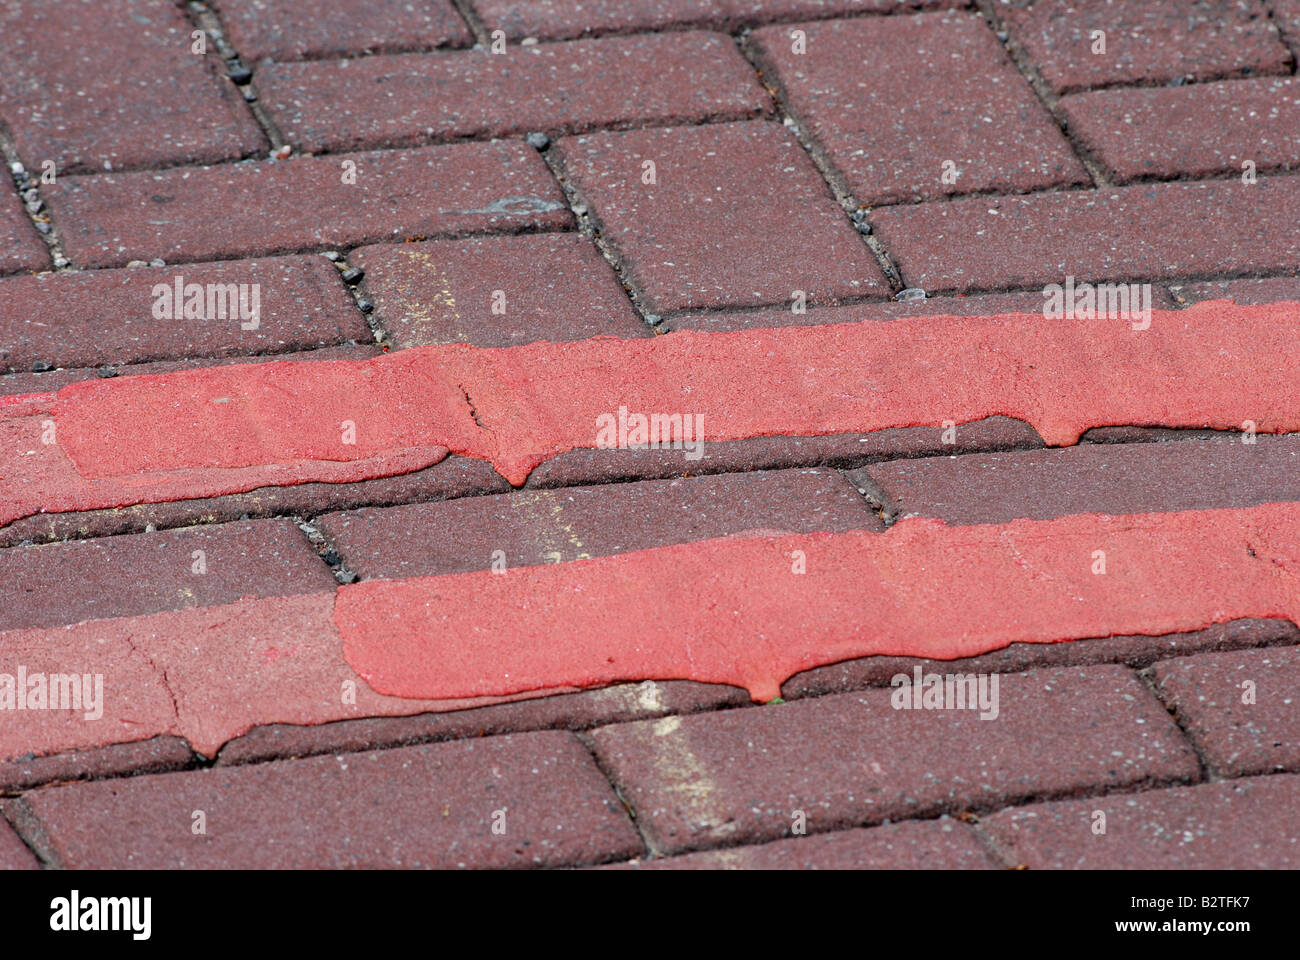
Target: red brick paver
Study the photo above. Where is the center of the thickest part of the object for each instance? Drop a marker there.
(964, 120)
(1197, 131)
(563, 87)
(1239, 708)
(1239, 825)
(739, 776)
(1271, 290)
(496, 291)
(1146, 40)
(20, 245)
(294, 29)
(274, 207)
(14, 854)
(96, 86)
(737, 216)
(429, 806)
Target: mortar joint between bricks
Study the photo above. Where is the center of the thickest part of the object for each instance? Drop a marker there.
(1147, 677)
(472, 20)
(207, 19)
(29, 195)
(325, 550)
(834, 180)
(585, 739)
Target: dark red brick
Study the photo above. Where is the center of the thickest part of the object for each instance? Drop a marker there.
(550, 526)
(96, 86)
(1271, 290)
(424, 806)
(63, 583)
(155, 755)
(739, 216)
(775, 453)
(1236, 737)
(106, 317)
(20, 245)
(573, 711)
(1146, 40)
(1195, 131)
(960, 306)
(556, 286)
(915, 845)
(1091, 478)
(293, 29)
(951, 95)
(1135, 651)
(738, 776)
(1286, 15)
(980, 243)
(253, 209)
(1236, 825)
(14, 854)
(409, 99)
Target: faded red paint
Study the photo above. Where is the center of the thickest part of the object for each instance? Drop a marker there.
(733, 611)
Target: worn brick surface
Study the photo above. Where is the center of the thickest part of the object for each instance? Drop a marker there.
(574, 711)
(20, 245)
(915, 845)
(155, 755)
(959, 306)
(1146, 40)
(738, 216)
(14, 854)
(553, 286)
(96, 86)
(1026, 241)
(737, 776)
(424, 806)
(561, 87)
(1135, 651)
(61, 583)
(550, 526)
(1236, 737)
(1091, 478)
(1195, 131)
(293, 29)
(107, 317)
(275, 207)
(1243, 824)
(1252, 291)
(951, 95)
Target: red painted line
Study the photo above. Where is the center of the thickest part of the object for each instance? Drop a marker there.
(733, 611)
(276, 660)
(1214, 365)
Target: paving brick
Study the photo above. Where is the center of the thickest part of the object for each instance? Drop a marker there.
(1286, 15)
(110, 317)
(62, 583)
(294, 29)
(555, 19)
(258, 208)
(406, 100)
(424, 806)
(14, 854)
(1253, 291)
(738, 776)
(1096, 235)
(20, 245)
(155, 755)
(1135, 651)
(573, 711)
(1195, 131)
(1091, 478)
(1151, 41)
(1237, 825)
(551, 526)
(914, 845)
(738, 216)
(553, 286)
(950, 92)
(1209, 694)
(959, 306)
(96, 86)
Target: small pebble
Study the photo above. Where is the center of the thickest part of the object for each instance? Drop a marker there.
(17, 169)
(353, 274)
(859, 215)
(580, 208)
(40, 366)
(332, 255)
(538, 141)
(42, 227)
(365, 306)
(107, 372)
(911, 293)
(653, 319)
(132, 264)
(862, 227)
(61, 262)
(157, 262)
(249, 95)
(239, 73)
(283, 152)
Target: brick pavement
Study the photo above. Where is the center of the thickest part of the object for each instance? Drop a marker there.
(830, 227)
